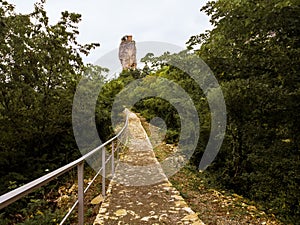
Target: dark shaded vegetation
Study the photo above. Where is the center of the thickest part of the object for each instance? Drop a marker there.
(255, 61)
(40, 67)
(257, 65)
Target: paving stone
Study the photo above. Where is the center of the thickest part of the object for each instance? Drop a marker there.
(97, 200)
(140, 192)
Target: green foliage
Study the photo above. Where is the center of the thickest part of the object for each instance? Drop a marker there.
(104, 106)
(254, 51)
(39, 207)
(162, 67)
(246, 43)
(40, 67)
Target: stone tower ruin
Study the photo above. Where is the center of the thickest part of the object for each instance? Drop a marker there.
(127, 53)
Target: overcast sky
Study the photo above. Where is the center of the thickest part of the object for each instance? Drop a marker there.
(106, 21)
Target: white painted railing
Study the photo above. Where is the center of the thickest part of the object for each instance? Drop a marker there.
(22, 191)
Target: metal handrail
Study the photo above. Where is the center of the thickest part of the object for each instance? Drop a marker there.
(14, 195)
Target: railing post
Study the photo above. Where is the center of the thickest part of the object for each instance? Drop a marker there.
(112, 159)
(103, 172)
(14, 195)
(118, 149)
(80, 174)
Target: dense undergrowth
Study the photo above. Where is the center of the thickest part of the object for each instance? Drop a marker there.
(255, 62)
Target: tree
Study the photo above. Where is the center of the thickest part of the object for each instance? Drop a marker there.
(254, 50)
(260, 36)
(40, 66)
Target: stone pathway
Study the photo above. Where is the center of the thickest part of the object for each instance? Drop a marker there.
(140, 193)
